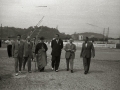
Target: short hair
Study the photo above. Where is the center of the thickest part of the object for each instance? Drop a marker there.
(71, 39)
(19, 35)
(42, 38)
(87, 38)
(57, 35)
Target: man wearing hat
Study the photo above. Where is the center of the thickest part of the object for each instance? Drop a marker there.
(70, 49)
(41, 56)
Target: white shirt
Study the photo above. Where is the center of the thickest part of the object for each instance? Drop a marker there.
(86, 44)
(9, 42)
(57, 40)
(18, 42)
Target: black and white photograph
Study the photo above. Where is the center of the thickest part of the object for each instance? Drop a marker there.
(59, 44)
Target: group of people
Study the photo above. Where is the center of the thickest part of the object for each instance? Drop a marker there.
(24, 52)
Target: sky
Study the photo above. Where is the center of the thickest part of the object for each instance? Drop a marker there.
(69, 15)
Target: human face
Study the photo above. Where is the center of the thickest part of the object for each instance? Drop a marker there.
(56, 36)
(18, 37)
(86, 40)
(42, 41)
(71, 40)
(28, 39)
(33, 39)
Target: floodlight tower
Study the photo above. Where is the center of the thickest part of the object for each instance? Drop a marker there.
(103, 30)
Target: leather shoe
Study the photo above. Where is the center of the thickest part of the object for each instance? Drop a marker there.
(29, 71)
(71, 71)
(56, 70)
(85, 72)
(52, 69)
(67, 69)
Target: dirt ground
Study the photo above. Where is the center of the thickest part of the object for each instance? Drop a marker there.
(104, 73)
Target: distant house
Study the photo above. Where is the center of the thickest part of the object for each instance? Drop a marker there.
(113, 41)
(82, 36)
(75, 36)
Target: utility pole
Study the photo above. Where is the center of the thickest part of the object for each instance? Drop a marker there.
(1, 31)
(8, 32)
(119, 39)
(108, 35)
(103, 35)
(57, 27)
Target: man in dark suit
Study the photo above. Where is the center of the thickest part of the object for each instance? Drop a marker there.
(86, 52)
(56, 45)
(0, 42)
(17, 52)
(27, 54)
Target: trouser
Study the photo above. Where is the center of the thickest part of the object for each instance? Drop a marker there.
(86, 64)
(0, 44)
(28, 60)
(41, 69)
(9, 50)
(33, 56)
(18, 61)
(55, 62)
(69, 60)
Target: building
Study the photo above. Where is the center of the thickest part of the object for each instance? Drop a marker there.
(82, 36)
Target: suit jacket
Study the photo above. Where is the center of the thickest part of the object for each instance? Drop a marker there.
(39, 46)
(17, 49)
(0, 42)
(34, 46)
(87, 50)
(56, 47)
(28, 49)
(70, 54)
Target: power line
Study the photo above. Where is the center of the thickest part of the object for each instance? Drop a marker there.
(103, 35)
(1, 31)
(94, 25)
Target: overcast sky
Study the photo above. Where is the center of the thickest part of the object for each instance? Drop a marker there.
(69, 15)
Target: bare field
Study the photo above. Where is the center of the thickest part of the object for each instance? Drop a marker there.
(104, 73)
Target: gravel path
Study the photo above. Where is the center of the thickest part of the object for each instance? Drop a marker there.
(104, 74)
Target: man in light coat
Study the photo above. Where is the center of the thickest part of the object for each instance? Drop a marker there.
(17, 52)
(70, 49)
(27, 54)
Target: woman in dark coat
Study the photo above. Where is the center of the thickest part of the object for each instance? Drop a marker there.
(9, 47)
(41, 56)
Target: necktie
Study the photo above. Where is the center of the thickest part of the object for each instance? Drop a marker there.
(18, 43)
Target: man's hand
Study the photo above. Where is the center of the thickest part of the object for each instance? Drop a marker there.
(80, 56)
(73, 50)
(23, 55)
(69, 50)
